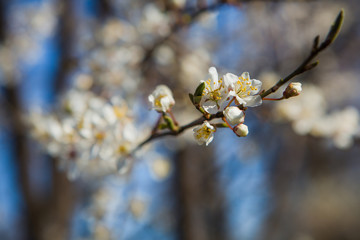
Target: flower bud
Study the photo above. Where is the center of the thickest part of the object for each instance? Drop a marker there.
(161, 99)
(234, 115)
(292, 90)
(241, 130)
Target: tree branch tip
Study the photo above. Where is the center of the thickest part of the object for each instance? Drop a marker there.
(342, 12)
(316, 42)
(334, 30)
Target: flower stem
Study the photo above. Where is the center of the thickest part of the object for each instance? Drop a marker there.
(173, 117)
(224, 119)
(306, 65)
(230, 101)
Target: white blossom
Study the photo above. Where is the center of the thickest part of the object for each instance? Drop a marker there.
(204, 133)
(161, 99)
(244, 89)
(309, 115)
(341, 126)
(215, 93)
(91, 137)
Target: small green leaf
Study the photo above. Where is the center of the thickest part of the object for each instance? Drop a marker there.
(197, 99)
(198, 93)
(163, 126)
(334, 30)
(191, 98)
(200, 89)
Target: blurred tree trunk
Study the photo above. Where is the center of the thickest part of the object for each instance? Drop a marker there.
(285, 178)
(63, 195)
(46, 217)
(201, 208)
(32, 205)
(13, 108)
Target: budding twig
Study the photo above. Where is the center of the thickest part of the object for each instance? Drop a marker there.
(181, 129)
(306, 65)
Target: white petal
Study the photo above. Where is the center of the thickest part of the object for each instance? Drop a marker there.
(222, 103)
(230, 80)
(208, 125)
(86, 133)
(151, 98)
(245, 76)
(240, 100)
(257, 85)
(165, 103)
(210, 107)
(109, 114)
(214, 75)
(232, 93)
(253, 101)
(210, 139)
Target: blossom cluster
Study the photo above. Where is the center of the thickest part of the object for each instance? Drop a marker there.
(93, 132)
(91, 136)
(229, 95)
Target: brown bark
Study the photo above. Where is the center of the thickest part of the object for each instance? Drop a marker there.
(200, 201)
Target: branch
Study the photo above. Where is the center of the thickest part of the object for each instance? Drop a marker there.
(306, 65)
(154, 136)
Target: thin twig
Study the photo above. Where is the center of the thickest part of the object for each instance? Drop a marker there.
(154, 136)
(306, 65)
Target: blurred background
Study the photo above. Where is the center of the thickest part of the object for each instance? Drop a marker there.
(295, 177)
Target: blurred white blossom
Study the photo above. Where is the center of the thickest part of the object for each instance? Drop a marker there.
(90, 137)
(137, 207)
(161, 99)
(309, 115)
(160, 167)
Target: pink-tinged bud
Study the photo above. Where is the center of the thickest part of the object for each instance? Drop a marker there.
(292, 90)
(241, 130)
